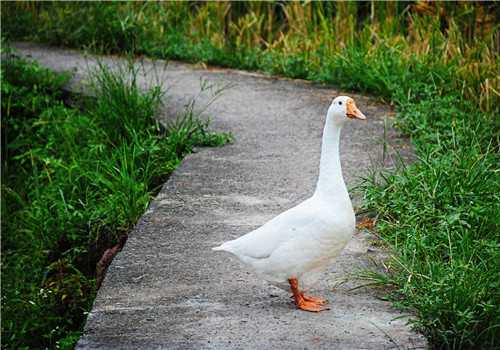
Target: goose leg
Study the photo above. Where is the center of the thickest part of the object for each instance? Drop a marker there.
(300, 300)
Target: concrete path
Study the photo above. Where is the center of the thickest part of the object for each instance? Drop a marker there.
(168, 290)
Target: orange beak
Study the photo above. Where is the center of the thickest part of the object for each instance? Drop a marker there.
(353, 111)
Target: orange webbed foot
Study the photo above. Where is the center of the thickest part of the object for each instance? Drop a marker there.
(316, 300)
(310, 306)
(306, 303)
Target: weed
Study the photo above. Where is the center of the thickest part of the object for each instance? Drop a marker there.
(73, 182)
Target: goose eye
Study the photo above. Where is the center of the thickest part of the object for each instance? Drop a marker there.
(340, 102)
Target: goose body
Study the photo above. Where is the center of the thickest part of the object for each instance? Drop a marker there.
(311, 235)
(292, 249)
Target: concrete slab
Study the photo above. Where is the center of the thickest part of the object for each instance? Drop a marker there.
(168, 290)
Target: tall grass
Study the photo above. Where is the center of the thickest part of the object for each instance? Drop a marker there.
(296, 39)
(74, 181)
(436, 62)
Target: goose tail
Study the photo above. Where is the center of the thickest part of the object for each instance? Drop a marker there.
(224, 247)
(219, 248)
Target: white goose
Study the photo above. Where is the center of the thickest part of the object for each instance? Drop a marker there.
(291, 250)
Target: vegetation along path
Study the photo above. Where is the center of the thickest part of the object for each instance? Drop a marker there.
(168, 289)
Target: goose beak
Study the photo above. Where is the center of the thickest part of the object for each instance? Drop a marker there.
(353, 112)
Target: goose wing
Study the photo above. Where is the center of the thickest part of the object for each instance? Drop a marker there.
(298, 221)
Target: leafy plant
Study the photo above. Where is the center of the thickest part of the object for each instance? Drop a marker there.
(73, 182)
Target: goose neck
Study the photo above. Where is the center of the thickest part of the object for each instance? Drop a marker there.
(331, 181)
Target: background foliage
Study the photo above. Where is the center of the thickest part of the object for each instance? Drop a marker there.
(313, 40)
(437, 63)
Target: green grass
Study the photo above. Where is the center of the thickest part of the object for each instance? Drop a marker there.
(440, 216)
(437, 63)
(74, 180)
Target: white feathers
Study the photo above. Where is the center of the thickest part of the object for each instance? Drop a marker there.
(303, 241)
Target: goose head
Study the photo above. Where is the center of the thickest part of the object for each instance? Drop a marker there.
(343, 109)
